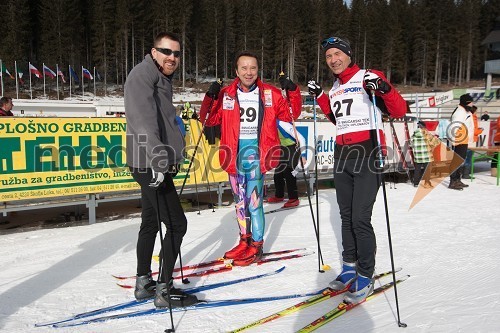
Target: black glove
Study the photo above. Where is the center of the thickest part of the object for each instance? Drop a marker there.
(375, 82)
(286, 83)
(213, 91)
(314, 88)
(158, 178)
(174, 169)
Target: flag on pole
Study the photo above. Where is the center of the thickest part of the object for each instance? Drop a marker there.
(20, 75)
(6, 71)
(87, 74)
(35, 71)
(49, 72)
(73, 74)
(60, 73)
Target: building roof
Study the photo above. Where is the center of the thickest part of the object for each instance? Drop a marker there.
(492, 38)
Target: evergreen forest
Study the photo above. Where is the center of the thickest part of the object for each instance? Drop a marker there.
(417, 42)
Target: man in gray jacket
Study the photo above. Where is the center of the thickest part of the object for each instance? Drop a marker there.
(155, 148)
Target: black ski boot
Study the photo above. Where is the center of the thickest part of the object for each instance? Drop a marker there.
(145, 287)
(178, 297)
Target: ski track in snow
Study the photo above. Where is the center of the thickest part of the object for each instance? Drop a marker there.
(448, 243)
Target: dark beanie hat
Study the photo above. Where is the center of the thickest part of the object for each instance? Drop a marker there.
(466, 99)
(334, 42)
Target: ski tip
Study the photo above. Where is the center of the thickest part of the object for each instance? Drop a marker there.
(403, 278)
(280, 269)
(125, 286)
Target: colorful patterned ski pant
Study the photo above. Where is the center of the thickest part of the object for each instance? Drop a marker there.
(247, 187)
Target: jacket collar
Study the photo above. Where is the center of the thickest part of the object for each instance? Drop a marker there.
(347, 74)
(150, 60)
(232, 89)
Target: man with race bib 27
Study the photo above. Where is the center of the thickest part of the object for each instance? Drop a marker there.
(356, 170)
(248, 110)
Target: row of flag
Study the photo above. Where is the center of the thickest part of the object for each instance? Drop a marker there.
(49, 73)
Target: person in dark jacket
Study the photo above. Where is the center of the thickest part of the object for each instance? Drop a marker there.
(286, 171)
(247, 111)
(6, 107)
(155, 148)
(356, 170)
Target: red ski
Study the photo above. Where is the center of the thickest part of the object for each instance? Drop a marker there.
(229, 267)
(216, 262)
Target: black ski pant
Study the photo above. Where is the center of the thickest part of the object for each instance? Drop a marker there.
(357, 182)
(420, 169)
(283, 172)
(171, 215)
(460, 150)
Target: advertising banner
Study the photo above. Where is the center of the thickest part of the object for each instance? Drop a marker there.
(50, 157)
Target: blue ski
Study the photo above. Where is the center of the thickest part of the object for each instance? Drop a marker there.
(133, 303)
(200, 305)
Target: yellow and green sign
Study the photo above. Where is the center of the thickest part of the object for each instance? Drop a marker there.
(48, 157)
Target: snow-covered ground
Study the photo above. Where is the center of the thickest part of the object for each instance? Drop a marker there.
(449, 243)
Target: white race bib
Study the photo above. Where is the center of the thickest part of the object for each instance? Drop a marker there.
(352, 106)
(249, 114)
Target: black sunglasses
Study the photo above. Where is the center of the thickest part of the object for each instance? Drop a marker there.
(331, 41)
(168, 52)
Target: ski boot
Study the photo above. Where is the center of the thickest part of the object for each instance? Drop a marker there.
(359, 290)
(145, 287)
(275, 200)
(291, 203)
(345, 278)
(242, 246)
(178, 298)
(252, 254)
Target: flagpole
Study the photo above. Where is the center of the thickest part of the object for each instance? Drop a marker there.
(17, 86)
(83, 84)
(94, 83)
(1, 74)
(31, 89)
(57, 80)
(43, 73)
(70, 77)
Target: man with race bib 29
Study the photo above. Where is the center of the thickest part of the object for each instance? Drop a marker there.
(356, 170)
(248, 110)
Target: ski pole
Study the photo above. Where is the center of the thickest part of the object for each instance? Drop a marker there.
(194, 173)
(381, 175)
(316, 177)
(172, 329)
(316, 232)
(207, 174)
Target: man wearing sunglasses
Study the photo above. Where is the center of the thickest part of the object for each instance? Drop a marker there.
(349, 106)
(248, 110)
(155, 147)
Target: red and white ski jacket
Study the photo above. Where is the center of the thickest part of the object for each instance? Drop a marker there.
(226, 111)
(394, 103)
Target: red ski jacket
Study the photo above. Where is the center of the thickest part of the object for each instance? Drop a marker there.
(395, 104)
(226, 111)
